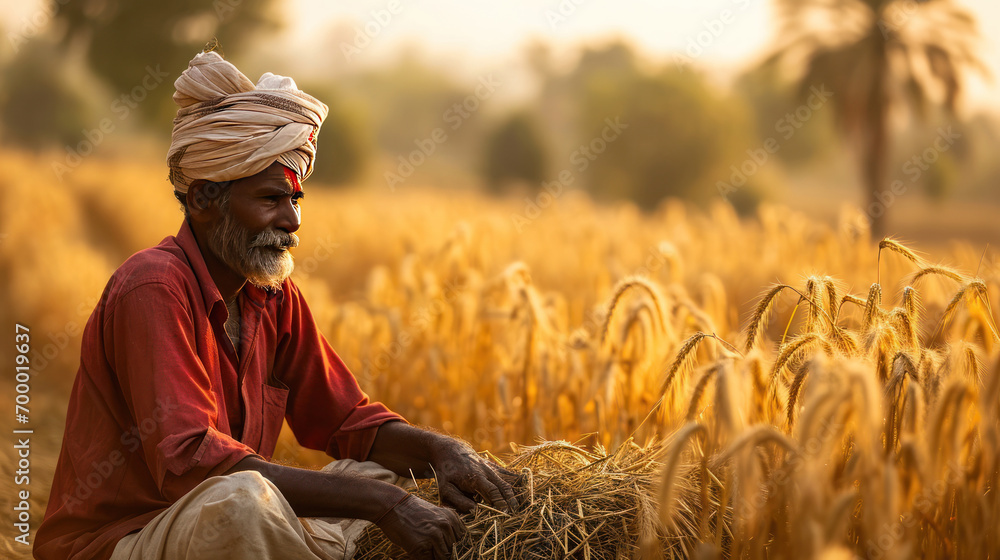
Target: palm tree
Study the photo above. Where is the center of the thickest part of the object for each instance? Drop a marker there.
(876, 55)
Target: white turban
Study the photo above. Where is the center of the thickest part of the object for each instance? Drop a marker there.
(227, 128)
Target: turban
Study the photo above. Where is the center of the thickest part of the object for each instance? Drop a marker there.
(227, 128)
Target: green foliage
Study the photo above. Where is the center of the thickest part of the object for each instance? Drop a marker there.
(679, 135)
(935, 155)
(877, 56)
(345, 144)
(406, 101)
(122, 44)
(941, 177)
(39, 104)
(772, 99)
(126, 37)
(515, 151)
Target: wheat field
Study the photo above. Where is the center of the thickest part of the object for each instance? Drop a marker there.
(800, 389)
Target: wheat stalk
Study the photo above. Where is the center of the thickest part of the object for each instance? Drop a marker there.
(936, 270)
(793, 346)
(760, 314)
(672, 462)
(793, 391)
(635, 282)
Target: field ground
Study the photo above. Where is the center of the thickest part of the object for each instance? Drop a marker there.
(454, 316)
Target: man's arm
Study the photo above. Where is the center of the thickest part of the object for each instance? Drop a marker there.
(321, 494)
(418, 527)
(327, 410)
(461, 473)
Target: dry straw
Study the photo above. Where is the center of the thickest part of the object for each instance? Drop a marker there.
(574, 504)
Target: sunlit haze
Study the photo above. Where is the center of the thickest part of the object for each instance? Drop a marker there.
(724, 36)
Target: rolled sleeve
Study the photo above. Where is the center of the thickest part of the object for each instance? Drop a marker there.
(168, 390)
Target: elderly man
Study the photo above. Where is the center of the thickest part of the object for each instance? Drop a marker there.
(202, 345)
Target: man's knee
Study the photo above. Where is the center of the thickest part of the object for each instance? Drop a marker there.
(249, 479)
(231, 504)
(241, 494)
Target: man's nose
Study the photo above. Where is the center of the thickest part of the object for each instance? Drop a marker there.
(290, 218)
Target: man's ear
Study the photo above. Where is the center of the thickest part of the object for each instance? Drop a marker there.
(202, 200)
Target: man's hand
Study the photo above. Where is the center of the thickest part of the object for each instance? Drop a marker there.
(462, 473)
(423, 530)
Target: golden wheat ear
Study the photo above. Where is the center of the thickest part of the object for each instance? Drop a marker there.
(759, 318)
(794, 346)
(639, 283)
(686, 349)
(873, 307)
(972, 288)
(815, 292)
(895, 246)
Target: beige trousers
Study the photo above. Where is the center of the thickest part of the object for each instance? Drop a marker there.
(244, 516)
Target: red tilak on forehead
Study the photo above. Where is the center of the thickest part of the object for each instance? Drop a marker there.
(293, 179)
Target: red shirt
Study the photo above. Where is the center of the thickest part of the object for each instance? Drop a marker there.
(161, 401)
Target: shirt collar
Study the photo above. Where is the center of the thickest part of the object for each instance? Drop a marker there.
(209, 291)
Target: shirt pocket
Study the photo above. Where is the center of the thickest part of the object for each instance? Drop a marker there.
(273, 415)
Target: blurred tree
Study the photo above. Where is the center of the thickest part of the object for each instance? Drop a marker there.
(424, 121)
(124, 38)
(645, 133)
(874, 55)
(39, 104)
(929, 155)
(772, 100)
(980, 169)
(345, 143)
(515, 151)
(940, 179)
(134, 48)
(407, 101)
(556, 100)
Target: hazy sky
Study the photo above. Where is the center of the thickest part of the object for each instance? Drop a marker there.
(471, 35)
(494, 31)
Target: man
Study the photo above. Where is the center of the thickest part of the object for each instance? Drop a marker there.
(202, 345)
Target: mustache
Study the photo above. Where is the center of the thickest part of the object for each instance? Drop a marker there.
(274, 239)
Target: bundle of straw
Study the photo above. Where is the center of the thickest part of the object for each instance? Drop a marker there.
(573, 504)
